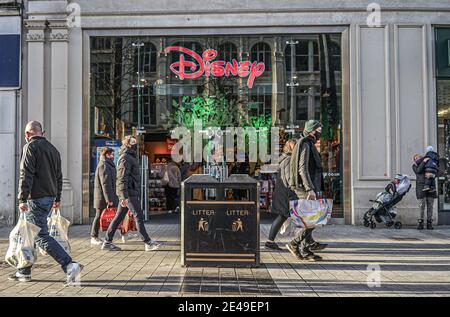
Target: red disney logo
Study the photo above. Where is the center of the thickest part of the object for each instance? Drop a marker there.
(205, 65)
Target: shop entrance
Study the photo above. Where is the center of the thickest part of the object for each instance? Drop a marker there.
(146, 86)
(443, 116)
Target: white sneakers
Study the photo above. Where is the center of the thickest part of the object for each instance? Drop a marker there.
(96, 241)
(152, 245)
(129, 236)
(74, 274)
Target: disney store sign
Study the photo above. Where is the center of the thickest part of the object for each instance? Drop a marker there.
(196, 65)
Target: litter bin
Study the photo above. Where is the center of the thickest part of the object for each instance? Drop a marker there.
(220, 222)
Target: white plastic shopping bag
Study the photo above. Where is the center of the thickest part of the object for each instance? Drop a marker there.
(58, 228)
(21, 251)
(307, 213)
(288, 229)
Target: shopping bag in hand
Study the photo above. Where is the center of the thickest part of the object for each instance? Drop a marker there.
(58, 228)
(289, 229)
(21, 251)
(307, 213)
(128, 224)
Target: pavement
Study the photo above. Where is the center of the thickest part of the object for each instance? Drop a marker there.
(359, 262)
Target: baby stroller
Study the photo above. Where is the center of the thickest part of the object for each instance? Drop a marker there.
(383, 209)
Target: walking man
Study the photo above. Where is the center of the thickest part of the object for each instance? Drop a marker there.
(307, 181)
(40, 186)
(128, 188)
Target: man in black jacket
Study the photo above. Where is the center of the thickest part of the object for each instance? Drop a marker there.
(128, 188)
(40, 186)
(104, 190)
(307, 182)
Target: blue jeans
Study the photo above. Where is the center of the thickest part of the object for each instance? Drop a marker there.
(135, 206)
(38, 211)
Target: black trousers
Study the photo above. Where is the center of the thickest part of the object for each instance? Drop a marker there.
(276, 226)
(172, 198)
(96, 223)
(304, 240)
(135, 206)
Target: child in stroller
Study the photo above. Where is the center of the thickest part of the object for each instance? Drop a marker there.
(383, 208)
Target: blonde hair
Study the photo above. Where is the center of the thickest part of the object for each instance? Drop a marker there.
(289, 146)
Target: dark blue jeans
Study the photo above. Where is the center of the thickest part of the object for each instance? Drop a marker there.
(135, 206)
(38, 212)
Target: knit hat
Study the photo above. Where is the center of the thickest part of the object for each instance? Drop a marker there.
(430, 148)
(311, 125)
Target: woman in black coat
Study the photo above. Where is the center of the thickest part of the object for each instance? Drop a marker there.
(426, 198)
(104, 190)
(281, 195)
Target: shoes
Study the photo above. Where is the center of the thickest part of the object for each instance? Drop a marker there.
(316, 246)
(294, 251)
(272, 245)
(311, 257)
(152, 245)
(430, 225)
(73, 273)
(420, 226)
(109, 246)
(96, 241)
(129, 236)
(18, 277)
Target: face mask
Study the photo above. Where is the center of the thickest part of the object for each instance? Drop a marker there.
(134, 147)
(317, 135)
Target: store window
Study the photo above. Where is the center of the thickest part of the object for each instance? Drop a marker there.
(443, 116)
(305, 85)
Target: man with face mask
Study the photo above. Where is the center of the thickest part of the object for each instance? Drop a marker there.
(40, 186)
(128, 188)
(307, 181)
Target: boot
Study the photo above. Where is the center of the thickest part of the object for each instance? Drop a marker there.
(420, 226)
(430, 225)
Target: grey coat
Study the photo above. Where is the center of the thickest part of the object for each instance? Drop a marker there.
(105, 184)
(419, 170)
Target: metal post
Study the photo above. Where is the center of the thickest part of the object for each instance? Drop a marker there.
(292, 84)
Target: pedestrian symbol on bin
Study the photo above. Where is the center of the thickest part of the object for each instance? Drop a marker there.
(202, 225)
(237, 225)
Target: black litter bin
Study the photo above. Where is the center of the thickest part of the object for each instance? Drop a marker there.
(220, 222)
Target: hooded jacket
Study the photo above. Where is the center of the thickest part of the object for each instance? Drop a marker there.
(128, 182)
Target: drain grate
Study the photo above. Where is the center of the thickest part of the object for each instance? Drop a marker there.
(405, 239)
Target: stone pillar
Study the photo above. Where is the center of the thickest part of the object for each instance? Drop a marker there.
(35, 38)
(59, 37)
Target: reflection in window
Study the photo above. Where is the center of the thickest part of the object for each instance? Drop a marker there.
(227, 51)
(101, 75)
(261, 53)
(306, 58)
(148, 59)
(148, 104)
(260, 102)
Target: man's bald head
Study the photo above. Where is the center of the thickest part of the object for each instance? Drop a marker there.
(33, 128)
